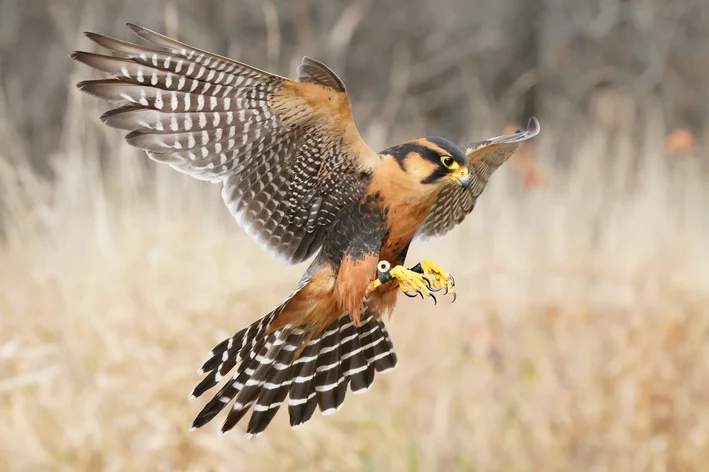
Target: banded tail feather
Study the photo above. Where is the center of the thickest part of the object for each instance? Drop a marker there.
(312, 371)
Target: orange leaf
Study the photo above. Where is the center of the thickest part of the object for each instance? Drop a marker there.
(679, 140)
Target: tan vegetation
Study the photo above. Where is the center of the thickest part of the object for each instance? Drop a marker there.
(578, 341)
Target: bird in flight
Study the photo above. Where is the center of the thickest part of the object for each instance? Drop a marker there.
(301, 181)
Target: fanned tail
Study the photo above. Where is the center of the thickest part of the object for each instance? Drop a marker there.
(313, 371)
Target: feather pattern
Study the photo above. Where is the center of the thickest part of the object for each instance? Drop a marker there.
(453, 204)
(287, 152)
(312, 371)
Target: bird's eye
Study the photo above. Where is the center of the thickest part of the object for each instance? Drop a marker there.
(447, 161)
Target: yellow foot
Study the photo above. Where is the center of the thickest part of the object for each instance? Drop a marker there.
(424, 278)
(439, 278)
(412, 281)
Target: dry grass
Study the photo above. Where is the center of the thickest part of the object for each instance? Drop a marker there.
(580, 340)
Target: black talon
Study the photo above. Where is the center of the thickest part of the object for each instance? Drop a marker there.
(428, 283)
(450, 276)
(434, 289)
(435, 302)
(455, 297)
(420, 293)
(410, 296)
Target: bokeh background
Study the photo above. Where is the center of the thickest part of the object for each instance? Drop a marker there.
(580, 338)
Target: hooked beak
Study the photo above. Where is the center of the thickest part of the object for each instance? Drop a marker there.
(462, 178)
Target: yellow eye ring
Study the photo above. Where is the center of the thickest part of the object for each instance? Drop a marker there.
(448, 162)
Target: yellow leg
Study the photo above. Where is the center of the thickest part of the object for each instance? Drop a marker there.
(383, 275)
(439, 278)
(373, 285)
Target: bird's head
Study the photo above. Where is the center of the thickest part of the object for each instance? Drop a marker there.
(432, 162)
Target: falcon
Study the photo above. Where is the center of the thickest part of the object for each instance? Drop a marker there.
(301, 181)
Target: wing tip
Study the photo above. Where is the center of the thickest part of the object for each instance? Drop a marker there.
(94, 87)
(85, 85)
(314, 71)
(137, 29)
(148, 34)
(83, 57)
(92, 36)
(106, 116)
(134, 138)
(533, 127)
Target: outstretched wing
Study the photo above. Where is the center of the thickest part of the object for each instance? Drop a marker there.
(454, 203)
(287, 152)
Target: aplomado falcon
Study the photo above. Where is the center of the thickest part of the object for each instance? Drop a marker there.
(300, 180)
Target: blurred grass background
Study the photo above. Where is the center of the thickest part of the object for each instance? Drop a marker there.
(580, 338)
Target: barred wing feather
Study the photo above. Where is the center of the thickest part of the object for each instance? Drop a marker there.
(287, 153)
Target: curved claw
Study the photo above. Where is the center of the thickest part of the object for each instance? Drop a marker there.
(452, 279)
(409, 295)
(428, 283)
(420, 293)
(455, 297)
(435, 302)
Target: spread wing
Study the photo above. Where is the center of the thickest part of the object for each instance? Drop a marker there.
(287, 152)
(454, 203)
